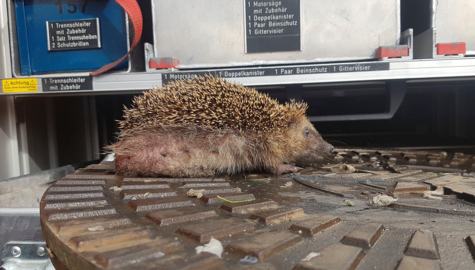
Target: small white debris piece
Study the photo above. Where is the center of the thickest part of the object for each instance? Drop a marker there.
(198, 193)
(347, 168)
(428, 194)
(214, 246)
(288, 184)
(96, 228)
(146, 194)
(249, 259)
(438, 191)
(347, 203)
(382, 200)
(110, 157)
(311, 256)
(341, 168)
(115, 188)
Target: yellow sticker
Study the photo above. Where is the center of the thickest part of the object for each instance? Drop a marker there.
(20, 85)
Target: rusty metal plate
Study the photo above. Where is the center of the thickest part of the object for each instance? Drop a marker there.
(320, 218)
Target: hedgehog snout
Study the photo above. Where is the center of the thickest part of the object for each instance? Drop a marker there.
(322, 148)
(328, 148)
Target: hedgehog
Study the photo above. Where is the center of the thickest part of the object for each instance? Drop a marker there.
(207, 126)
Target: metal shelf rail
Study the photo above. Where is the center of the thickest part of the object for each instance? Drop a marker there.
(277, 75)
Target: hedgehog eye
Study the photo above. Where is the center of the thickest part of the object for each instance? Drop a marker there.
(306, 132)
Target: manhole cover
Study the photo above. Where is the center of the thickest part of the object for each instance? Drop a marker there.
(318, 219)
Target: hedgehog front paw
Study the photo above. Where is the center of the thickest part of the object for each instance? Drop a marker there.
(286, 168)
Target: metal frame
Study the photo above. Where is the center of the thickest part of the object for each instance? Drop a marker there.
(10, 165)
(26, 181)
(5, 58)
(23, 247)
(398, 70)
(397, 91)
(425, 46)
(9, 150)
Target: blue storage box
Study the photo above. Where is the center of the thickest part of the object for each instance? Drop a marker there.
(69, 35)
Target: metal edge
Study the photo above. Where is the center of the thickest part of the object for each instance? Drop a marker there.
(245, 26)
(154, 21)
(25, 181)
(409, 70)
(47, 36)
(433, 12)
(13, 35)
(128, 44)
(301, 19)
(98, 29)
(398, 20)
(6, 71)
(20, 211)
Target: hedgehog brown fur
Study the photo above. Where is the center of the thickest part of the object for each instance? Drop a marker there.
(206, 126)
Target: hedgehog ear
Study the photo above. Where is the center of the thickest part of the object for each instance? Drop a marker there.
(292, 122)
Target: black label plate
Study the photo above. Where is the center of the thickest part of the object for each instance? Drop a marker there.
(73, 35)
(279, 71)
(66, 84)
(272, 26)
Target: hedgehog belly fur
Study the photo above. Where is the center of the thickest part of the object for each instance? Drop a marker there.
(191, 152)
